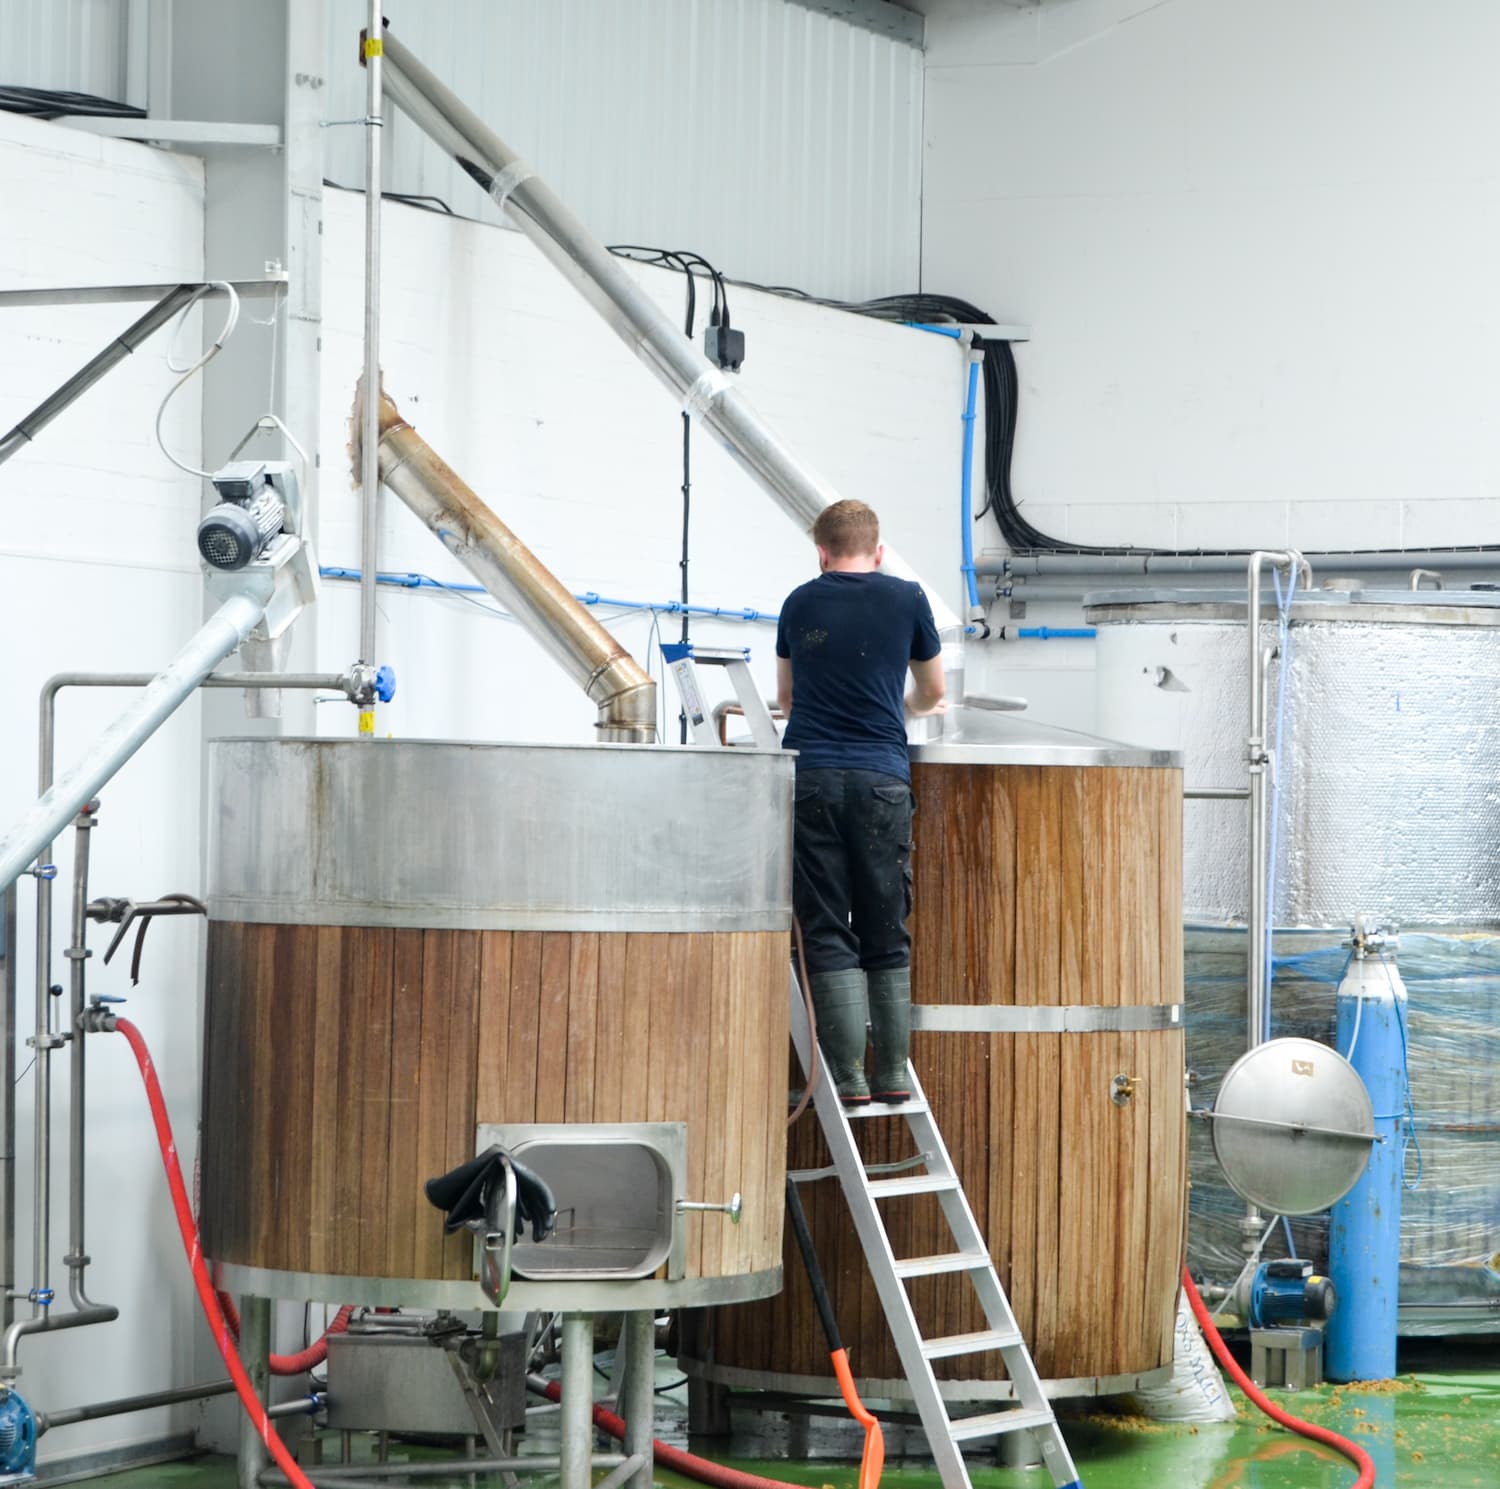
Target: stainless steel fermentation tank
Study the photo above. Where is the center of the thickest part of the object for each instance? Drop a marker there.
(1387, 805)
(416, 948)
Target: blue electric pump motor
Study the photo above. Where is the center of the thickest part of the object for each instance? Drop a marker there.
(1289, 1292)
(17, 1440)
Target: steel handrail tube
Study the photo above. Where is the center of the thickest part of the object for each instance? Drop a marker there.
(369, 472)
(512, 574)
(27, 429)
(222, 634)
(46, 751)
(1289, 561)
(707, 392)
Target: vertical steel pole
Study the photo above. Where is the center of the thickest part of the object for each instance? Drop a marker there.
(1257, 758)
(255, 1353)
(638, 1401)
(370, 410)
(7, 1103)
(577, 1424)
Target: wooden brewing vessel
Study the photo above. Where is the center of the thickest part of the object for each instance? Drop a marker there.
(1046, 963)
(509, 944)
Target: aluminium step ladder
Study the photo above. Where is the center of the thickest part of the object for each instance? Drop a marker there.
(970, 1256)
(683, 659)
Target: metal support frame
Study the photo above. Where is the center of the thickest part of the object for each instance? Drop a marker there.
(255, 1354)
(1258, 758)
(369, 464)
(638, 1398)
(577, 1424)
(43, 1036)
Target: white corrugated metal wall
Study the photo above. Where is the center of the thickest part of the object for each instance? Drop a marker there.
(782, 144)
(77, 45)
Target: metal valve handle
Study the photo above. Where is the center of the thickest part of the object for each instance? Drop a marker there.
(734, 1209)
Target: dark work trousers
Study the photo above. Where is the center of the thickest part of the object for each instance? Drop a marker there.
(851, 881)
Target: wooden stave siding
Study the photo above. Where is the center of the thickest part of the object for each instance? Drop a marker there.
(1091, 1311)
(374, 1092)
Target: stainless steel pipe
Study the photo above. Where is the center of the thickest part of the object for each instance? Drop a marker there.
(77, 1258)
(229, 625)
(7, 1105)
(123, 1405)
(88, 1313)
(638, 1398)
(705, 391)
(512, 573)
(172, 303)
(1106, 565)
(369, 471)
(1257, 757)
(255, 1355)
(577, 1424)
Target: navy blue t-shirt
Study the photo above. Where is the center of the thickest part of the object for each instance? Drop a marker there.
(849, 638)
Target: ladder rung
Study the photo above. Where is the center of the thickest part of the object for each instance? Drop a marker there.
(886, 1109)
(969, 1344)
(922, 1184)
(997, 1424)
(953, 1261)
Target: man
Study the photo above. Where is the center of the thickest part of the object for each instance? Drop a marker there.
(843, 647)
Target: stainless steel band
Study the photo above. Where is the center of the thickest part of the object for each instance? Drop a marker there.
(1072, 1018)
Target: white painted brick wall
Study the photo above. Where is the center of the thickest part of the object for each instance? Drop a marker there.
(97, 571)
(1252, 242)
(520, 387)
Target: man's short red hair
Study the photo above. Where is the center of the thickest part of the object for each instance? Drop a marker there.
(847, 529)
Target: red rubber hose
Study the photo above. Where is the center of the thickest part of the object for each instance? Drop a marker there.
(181, 1205)
(303, 1360)
(1352, 1451)
(674, 1458)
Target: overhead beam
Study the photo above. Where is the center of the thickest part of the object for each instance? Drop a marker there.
(879, 16)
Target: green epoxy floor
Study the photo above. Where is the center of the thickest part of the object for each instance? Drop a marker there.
(1440, 1429)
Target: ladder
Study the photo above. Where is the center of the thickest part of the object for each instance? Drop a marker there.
(683, 658)
(970, 1256)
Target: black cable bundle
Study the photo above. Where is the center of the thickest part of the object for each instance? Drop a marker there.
(53, 103)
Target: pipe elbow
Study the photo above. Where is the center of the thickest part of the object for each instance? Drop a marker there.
(627, 713)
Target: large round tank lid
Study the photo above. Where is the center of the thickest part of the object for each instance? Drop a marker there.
(1292, 1126)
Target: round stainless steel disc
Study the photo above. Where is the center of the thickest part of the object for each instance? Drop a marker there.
(1292, 1126)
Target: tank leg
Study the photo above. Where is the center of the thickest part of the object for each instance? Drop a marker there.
(255, 1353)
(708, 1408)
(638, 1401)
(577, 1424)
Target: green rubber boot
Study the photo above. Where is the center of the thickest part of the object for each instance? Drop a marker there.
(890, 1026)
(839, 1003)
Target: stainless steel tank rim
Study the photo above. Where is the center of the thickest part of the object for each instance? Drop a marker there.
(603, 1296)
(872, 1388)
(1074, 756)
(708, 752)
(460, 918)
(1072, 1018)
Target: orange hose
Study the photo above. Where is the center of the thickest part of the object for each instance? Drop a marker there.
(873, 1461)
(182, 1207)
(1352, 1451)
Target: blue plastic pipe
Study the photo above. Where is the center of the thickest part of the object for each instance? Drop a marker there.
(1364, 1240)
(1056, 633)
(966, 500)
(588, 597)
